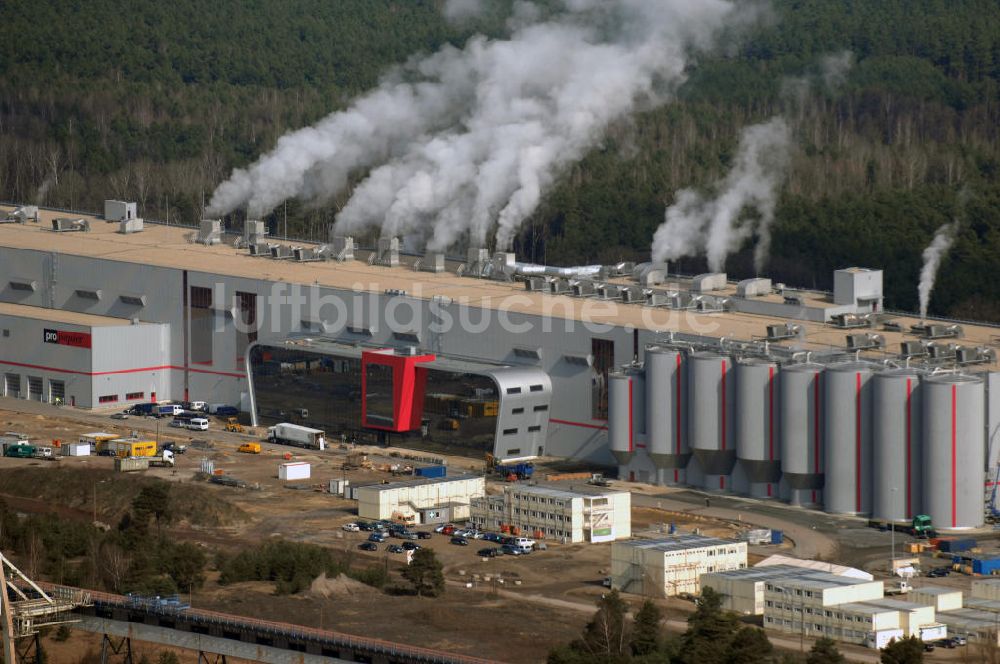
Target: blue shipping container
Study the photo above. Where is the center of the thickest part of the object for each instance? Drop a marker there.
(431, 471)
(956, 545)
(776, 536)
(986, 566)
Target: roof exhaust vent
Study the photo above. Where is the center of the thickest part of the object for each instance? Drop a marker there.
(865, 341)
(780, 331)
(127, 226)
(758, 287)
(22, 215)
(433, 262)
(68, 225)
(848, 321)
(343, 248)
(253, 230)
(210, 232)
(388, 251)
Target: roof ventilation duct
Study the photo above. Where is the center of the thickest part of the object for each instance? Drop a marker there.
(210, 232)
(711, 281)
(753, 287)
(388, 251)
(68, 225)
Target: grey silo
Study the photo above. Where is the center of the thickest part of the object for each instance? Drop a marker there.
(954, 451)
(711, 423)
(621, 424)
(848, 438)
(801, 432)
(666, 418)
(897, 445)
(758, 447)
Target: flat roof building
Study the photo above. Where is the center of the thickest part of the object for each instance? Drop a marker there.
(420, 501)
(674, 565)
(558, 514)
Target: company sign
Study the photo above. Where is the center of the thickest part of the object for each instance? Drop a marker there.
(63, 338)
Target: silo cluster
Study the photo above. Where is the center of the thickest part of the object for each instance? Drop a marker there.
(852, 438)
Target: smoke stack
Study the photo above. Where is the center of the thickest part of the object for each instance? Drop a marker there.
(343, 246)
(388, 251)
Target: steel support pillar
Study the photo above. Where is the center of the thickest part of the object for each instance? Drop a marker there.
(123, 649)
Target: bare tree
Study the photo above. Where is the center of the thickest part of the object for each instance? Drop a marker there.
(117, 564)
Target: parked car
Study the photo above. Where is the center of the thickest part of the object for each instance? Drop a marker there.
(493, 537)
(460, 541)
(120, 416)
(423, 534)
(959, 640)
(489, 552)
(928, 647)
(368, 546)
(366, 526)
(377, 537)
(395, 548)
(351, 527)
(945, 643)
(198, 424)
(407, 535)
(440, 529)
(411, 546)
(510, 550)
(939, 572)
(448, 530)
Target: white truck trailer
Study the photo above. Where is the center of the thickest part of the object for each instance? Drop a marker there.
(299, 436)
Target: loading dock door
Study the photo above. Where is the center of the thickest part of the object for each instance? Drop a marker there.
(57, 391)
(34, 388)
(11, 385)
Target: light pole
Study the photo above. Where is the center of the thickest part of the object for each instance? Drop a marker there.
(892, 538)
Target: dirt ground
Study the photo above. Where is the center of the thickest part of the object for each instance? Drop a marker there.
(544, 599)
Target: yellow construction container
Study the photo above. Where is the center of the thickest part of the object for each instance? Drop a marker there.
(249, 448)
(122, 447)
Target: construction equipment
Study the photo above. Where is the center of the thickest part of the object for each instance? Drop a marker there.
(249, 448)
(992, 513)
(233, 425)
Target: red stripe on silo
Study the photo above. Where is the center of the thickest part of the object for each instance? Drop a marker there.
(678, 406)
(857, 442)
(816, 429)
(954, 456)
(723, 402)
(768, 489)
(677, 475)
(630, 430)
(909, 451)
(814, 496)
(722, 481)
(770, 418)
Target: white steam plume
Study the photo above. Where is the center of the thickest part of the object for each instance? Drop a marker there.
(696, 224)
(489, 127)
(933, 254)
(458, 10)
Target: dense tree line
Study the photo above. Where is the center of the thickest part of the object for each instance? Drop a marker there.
(158, 101)
(713, 636)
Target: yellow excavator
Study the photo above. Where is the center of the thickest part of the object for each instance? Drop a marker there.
(233, 425)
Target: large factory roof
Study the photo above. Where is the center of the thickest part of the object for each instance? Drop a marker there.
(60, 316)
(173, 247)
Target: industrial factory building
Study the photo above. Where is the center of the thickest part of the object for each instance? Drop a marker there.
(674, 565)
(819, 399)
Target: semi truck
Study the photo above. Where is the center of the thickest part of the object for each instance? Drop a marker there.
(920, 526)
(299, 436)
(165, 459)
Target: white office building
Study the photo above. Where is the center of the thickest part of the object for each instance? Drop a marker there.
(421, 501)
(545, 512)
(667, 567)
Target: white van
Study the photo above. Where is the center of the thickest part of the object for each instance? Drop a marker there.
(524, 544)
(198, 424)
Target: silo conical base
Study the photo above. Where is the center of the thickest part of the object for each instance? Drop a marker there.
(764, 489)
(671, 476)
(713, 482)
(812, 498)
(623, 458)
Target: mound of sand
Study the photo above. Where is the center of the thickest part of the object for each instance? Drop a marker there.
(337, 586)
